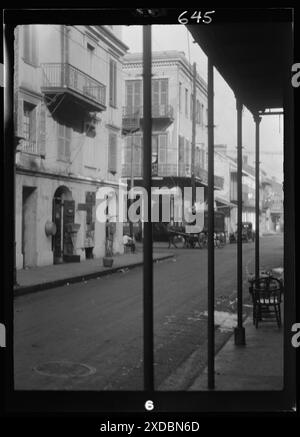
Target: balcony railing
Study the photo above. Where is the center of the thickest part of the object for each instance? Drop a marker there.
(172, 170)
(158, 111)
(130, 119)
(63, 75)
(27, 146)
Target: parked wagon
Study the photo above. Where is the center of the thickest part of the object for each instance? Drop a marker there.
(179, 236)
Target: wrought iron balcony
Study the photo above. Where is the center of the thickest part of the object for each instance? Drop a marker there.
(162, 117)
(67, 79)
(130, 120)
(173, 170)
(30, 147)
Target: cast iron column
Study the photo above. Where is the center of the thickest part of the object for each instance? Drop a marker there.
(148, 254)
(239, 331)
(210, 246)
(257, 120)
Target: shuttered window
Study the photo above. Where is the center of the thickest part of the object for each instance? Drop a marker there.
(89, 152)
(64, 142)
(113, 83)
(29, 144)
(137, 154)
(181, 150)
(186, 102)
(30, 47)
(187, 153)
(41, 136)
(160, 88)
(180, 97)
(163, 144)
(133, 96)
(112, 153)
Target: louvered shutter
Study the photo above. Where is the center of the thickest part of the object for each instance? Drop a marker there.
(137, 95)
(68, 133)
(26, 43)
(162, 159)
(19, 128)
(112, 154)
(181, 149)
(163, 96)
(60, 141)
(155, 97)
(42, 129)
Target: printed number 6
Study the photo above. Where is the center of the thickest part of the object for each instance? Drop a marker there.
(182, 20)
(149, 405)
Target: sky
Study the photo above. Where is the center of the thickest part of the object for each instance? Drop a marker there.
(177, 37)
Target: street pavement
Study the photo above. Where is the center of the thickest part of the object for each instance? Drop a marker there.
(88, 336)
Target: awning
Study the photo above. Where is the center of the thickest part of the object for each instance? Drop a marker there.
(224, 202)
(251, 56)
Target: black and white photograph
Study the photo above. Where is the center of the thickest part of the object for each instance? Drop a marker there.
(149, 190)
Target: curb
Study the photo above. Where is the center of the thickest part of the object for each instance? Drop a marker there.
(26, 289)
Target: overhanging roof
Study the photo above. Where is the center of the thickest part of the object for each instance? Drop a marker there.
(251, 56)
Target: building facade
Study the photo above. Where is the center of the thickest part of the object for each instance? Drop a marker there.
(172, 114)
(68, 118)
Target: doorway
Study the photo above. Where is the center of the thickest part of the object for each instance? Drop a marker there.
(29, 211)
(63, 214)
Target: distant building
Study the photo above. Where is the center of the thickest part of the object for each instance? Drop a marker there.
(68, 119)
(272, 204)
(226, 199)
(172, 112)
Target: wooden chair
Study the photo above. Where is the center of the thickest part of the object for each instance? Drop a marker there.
(266, 297)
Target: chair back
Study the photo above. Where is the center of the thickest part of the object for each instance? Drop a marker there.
(267, 291)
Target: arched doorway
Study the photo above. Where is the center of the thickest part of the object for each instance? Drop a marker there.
(63, 214)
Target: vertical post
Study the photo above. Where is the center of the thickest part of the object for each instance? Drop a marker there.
(257, 120)
(210, 247)
(239, 331)
(148, 255)
(194, 135)
(131, 183)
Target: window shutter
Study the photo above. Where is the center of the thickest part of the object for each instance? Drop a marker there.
(60, 141)
(115, 82)
(129, 97)
(112, 154)
(34, 44)
(181, 149)
(33, 125)
(42, 129)
(26, 43)
(164, 92)
(155, 97)
(162, 149)
(19, 117)
(137, 95)
(110, 83)
(68, 133)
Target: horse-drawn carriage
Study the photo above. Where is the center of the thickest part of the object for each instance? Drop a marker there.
(186, 236)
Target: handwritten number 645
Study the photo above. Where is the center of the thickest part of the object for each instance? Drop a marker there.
(196, 16)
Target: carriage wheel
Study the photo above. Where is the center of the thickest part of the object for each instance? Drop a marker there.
(179, 241)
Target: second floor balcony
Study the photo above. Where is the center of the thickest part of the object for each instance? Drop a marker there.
(132, 120)
(172, 170)
(79, 87)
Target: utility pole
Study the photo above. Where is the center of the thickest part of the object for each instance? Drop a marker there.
(194, 137)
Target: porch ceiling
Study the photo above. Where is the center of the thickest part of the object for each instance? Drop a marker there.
(251, 56)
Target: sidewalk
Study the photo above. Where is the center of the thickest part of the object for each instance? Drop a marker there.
(42, 278)
(256, 366)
